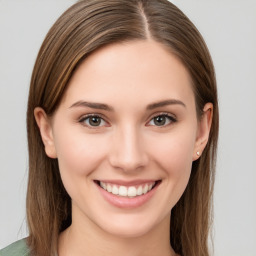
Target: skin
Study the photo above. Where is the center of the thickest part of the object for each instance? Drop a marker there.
(127, 145)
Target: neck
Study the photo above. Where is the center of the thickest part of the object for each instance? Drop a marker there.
(88, 239)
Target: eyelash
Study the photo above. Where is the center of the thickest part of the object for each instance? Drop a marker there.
(171, 118)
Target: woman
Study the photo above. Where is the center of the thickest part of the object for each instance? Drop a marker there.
(122, 125)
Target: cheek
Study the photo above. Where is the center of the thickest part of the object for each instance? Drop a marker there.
(78, 155)
(173, 154)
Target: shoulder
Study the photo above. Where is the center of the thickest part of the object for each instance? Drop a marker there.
(18, 248)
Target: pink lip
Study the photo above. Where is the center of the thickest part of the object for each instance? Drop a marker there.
(125, 202)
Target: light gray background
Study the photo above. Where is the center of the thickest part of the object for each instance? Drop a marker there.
(229, 28)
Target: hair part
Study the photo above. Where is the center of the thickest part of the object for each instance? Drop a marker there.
(82, 29)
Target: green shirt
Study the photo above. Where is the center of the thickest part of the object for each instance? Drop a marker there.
(18, 248)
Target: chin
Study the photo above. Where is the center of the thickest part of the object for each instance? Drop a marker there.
(128, 231)
(132, 226)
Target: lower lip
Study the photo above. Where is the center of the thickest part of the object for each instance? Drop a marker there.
(126, 202)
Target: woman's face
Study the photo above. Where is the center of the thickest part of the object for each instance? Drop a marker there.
(125, 135)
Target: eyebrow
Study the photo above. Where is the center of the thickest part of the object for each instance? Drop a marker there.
(165, 103)
(92, 105)
(106, 107)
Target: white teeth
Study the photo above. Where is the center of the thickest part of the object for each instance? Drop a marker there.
(124, 191)
(145, 189)
(132, 191)
(103, 185)
(109, 188)
(115, 190)
(139, 191)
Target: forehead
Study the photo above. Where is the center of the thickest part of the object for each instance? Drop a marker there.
(130, 70)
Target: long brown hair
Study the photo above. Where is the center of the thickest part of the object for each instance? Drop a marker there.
(83, 28)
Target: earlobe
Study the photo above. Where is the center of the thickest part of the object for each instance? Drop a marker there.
(203, 131)
(45, 128)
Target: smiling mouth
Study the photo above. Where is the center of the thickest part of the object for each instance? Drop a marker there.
(128, 191)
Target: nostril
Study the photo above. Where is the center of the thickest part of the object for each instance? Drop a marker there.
(127, 151)
(128, 164)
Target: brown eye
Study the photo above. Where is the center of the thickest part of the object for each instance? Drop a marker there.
(162, 120)
(93, 121)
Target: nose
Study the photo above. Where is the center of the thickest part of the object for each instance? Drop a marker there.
(127, 151)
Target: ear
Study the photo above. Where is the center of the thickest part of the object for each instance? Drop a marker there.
(45, 128)
(203, 131)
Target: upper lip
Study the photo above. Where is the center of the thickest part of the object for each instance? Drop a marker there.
(128, 183)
